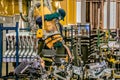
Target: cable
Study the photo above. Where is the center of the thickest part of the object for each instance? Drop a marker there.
(25, 20)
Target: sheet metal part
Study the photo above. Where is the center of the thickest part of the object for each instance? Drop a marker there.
(26, 44)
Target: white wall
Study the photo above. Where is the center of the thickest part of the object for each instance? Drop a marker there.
(78, 12)
(112, 15)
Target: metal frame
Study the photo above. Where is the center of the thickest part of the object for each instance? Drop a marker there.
(2, 28)
(1, 48)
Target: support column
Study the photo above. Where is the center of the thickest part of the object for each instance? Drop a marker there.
(108, 21)
(91, 17)
(108, 14)
(83, 11)
(1, 48)
(102, 14)
(117, 14)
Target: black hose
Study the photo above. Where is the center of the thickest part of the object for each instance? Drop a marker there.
(25, 20)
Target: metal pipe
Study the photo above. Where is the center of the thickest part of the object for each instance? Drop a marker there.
(42, 6)
(30, 14)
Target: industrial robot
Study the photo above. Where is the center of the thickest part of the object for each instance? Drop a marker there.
(50, 37)
(52, 33)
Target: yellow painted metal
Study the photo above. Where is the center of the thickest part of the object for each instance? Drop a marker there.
(47, 59)
(112, 60)
(70, 7)
(16, 6)
(71, 11)
(39, 33)
(50, 41)
(11, 7)
(42, 11)
(55, 5)
(116, 76)
(57, 0)
(1, 7)
(38, 11)
(45, 24)
(64, 6)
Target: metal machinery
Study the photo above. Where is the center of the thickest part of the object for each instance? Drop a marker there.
(111, 50)
(21, 46)
(47, 51)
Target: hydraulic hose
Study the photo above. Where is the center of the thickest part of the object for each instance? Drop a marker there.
(20, 10)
